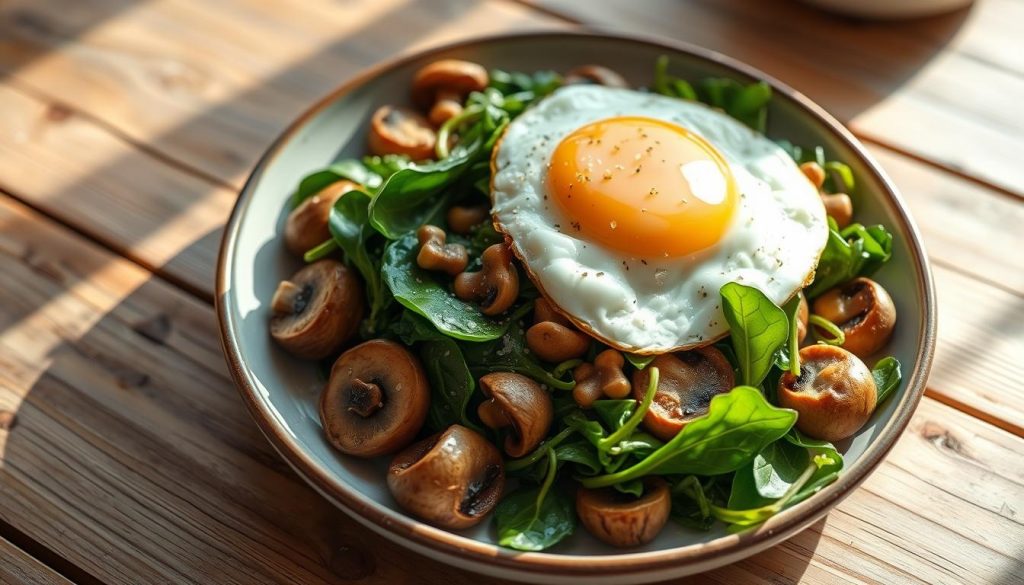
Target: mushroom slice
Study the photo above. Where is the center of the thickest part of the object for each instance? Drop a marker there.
(834, 394)
(552, 337)
(518, 402)
(401, 131)
(376, 399)
(437, 254)
(688, 382)
(595, 74)
(306, 226)
(863, 310)
(443, 85)
(452, 479)
(496, 286)
(623, 520)
(318, 310)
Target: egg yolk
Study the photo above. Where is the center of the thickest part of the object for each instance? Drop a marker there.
(645, 187)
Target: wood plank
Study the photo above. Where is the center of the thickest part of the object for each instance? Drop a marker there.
(940, 88)
(18, 568)
(128, 453)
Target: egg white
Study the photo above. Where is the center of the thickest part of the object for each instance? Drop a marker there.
(654, 304)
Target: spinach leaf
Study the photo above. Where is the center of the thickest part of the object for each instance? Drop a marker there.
(757, 327)
(614, 413)
(639, 361)
(669, 85)
(746, 103)
(633, 487)
(539, 83)
(887, 375)
(411, 328)
(690, 505)
(508, 353)
(639, 445)
(824, 455)
(536, 519)
(737, 426)
(348, 225)
(854, 251)
(451, 384)
(591, 430)
(350, 169)
(421, 291)
(582, 453)
(769, 475)
(386, 165)
(760, 513)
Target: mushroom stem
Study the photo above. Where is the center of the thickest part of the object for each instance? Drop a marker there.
(493, 415)
(286, 298)
(366, 398)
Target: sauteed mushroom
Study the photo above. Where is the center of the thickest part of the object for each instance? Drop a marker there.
(518, 402)
(318, 310)
(834, 393)
(452, 479)
(602, 378)
(436, 254)
(688, 382)
(462, 220)
(495, 286)
(551, 337)
(376, 399)
(623, 520)
(814, 173)
(595, 74)
(863, 310)
(401, 131)
(306, 226)
(443, 85)
(839, 207)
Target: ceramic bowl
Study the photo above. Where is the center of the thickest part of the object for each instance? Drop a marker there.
(281, 391)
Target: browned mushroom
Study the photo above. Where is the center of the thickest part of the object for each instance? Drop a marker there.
(436, 254)
(688, 382)
(623, 520)
(518, 402)
(306, 226)
(318, 310)
(552, 337)
(462, 220)
(863, 310)
(595, 74)
(834, 393)
(443, 85)
(376, 399)
(495, 286)
(401, 131)
(814, 173)
(802, 314)
(839, 207)
(603, 378)
(452, 479)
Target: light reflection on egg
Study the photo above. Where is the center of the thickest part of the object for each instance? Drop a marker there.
(631, 210)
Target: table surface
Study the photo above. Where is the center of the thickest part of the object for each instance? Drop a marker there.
(128, 126)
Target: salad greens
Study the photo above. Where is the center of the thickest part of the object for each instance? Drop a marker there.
(740, 463)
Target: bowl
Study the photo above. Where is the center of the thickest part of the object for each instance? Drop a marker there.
(281, 391)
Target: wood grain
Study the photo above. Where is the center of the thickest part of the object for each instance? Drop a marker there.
(18, 568)
(128, 453)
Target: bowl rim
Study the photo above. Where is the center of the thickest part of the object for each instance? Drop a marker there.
(787, 522)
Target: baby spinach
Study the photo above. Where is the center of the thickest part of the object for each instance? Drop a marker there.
(508, 353)
(536, 519)
(591, 430)
(769, 475)
(747, 103)
(757, 514)
(582, 453)
(422, 292)
(633, 487)
(451, 384)
(614, 413)
(737, 426)
(824, 455)
(757, 327)
(887, 374)
(410, 327)
(539, 83)
(670, 85)
(854, 251)
(349, 169)
(386, 165)
(348, 225)
(690, 504)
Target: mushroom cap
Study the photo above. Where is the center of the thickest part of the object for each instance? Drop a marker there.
(863, 310)
(306, 226)
(687, 383)
(556, 343)
(622, 520)
(401, 131)
(451, 76)
(396, 414)
(834, 395)
(321, 311)
(526, 405)
(452, 479)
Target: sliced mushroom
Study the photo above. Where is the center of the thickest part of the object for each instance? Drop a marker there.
(863, 310)
(443, 85)
(401, 131)
(814, 173)
(318, 310)
(834, 393)
(687, 383)
(603, 378)
(495, 286)
(462, 220)
(552, 337)
(839, 207)
(306, 226)
(376, 399)
(802, 314)
(518, 402)
(595, 74)
(452, 479)
(623, 520)
(436, 254)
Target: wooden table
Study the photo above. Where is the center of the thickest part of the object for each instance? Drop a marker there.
(128, 126)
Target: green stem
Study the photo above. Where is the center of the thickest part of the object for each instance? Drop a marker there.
(838, 337)
(634, 419)
(758, 515)
(549, 477)
(517, 464)
(794, 344)
(565, 366)
(444, 132)
(320, 251)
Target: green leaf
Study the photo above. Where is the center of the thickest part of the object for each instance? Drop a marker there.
(536, 519)
(633, 487)
(854, 251)
(347, 223)
(451, 384)
(784, 357)
(386, 165)
(827, 458)
(639, 361)
(349, 169)
(411, 328)
(690, 505)
(757, 327)
(737, 426)
(887, 374)
(581, 453)
(614, 413)
(591, 430)
(769, 475)
(422, 292)
(844, 174)
(508, 353)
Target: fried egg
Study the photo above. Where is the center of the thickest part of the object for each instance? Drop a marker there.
(630, 210)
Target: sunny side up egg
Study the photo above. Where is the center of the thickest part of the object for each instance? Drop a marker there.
(630, 210)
